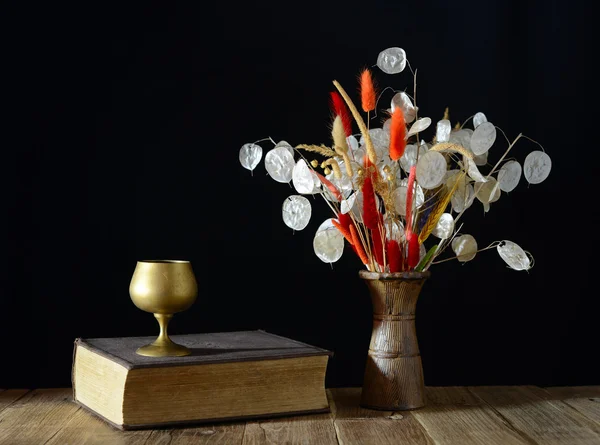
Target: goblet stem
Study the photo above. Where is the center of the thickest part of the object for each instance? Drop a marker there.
(163, 322)
(163, 346)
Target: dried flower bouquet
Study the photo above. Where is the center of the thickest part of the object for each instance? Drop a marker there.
(390, 190)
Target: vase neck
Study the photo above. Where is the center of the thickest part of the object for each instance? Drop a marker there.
(395, 297)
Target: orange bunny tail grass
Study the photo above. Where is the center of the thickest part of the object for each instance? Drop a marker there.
(339, 108)
(343, 231)
(378, 246)
(359, 249)
(394, 253)
(345, 220)
(413, 250)
(397, 134)
(367, 91)
(370, 213)
(332, 188)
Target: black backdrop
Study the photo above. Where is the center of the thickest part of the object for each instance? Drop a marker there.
(122, 144)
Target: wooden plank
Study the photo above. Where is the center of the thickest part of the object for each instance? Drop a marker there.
(356, 425)
(83, 428)
(224, 434)
(305, 429)
(584, 399)
(540, 420)
(455, 416)
(405, 431)
(345, 404)
(9, 396)
(36, 417)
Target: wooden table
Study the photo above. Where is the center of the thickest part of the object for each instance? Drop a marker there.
(454, 415)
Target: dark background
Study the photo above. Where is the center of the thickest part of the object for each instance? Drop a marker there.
(121, 143)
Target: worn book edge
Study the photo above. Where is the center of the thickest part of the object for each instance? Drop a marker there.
(186, 423)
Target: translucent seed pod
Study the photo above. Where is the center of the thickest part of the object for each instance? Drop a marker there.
(443, 129)
(537, 166)
(250, 155)
(296, 212)
(483, 138)
(403, 101)
(328, 243)
(479, 119)
(444, 227)
(280, 164)
(431, 169)
(392, 60)
(421, 124)
(302, 178)
(514, 255)
(465, 247)
(509, 176)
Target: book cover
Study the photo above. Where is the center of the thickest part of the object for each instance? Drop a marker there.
(228, 376)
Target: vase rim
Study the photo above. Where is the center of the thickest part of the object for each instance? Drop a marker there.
(409, 275)
(164, 261)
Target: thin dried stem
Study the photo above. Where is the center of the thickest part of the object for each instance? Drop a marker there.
(466, 121)
(491, 246)
(379, 97)
(534, 141)
(268, 138)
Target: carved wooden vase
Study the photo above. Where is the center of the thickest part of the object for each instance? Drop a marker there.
(393, 377)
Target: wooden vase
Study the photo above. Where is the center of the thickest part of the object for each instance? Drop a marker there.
(393, 378)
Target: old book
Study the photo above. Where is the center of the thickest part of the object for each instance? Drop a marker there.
(228, 376)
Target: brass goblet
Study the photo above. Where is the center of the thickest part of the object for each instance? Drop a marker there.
(163, 287)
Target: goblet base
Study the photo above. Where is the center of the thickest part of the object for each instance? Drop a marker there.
(163, 349)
